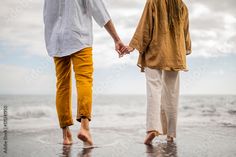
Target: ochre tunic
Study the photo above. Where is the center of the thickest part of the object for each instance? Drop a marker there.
(157, 45)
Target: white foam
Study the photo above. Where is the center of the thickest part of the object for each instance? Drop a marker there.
(28, 112)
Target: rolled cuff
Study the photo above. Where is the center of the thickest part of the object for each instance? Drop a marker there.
(135, 44)
(188, 52)
(83, 117)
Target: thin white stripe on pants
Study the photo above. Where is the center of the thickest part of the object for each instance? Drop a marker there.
(162, 100)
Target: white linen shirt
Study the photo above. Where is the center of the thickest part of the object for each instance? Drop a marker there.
(68, 24)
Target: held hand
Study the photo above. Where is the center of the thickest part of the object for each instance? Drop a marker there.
(129, 49)
(120, 48)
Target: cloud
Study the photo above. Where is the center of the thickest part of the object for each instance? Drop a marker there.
(212, 27)
(220, 6)
(22, 80)
(212, 30)
(22, 26)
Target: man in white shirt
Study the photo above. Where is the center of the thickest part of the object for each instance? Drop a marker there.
(69, 39)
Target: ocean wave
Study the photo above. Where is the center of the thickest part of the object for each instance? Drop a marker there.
(232, 112)
(31, 112)
(228, 124)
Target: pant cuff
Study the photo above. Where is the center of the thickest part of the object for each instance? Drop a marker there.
(83, 117)
(149, 130)
(66, 123)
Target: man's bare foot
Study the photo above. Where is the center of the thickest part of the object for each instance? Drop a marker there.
(67, 137)
(87, 145)
(150, 136)
(170, 139)
(84, 133)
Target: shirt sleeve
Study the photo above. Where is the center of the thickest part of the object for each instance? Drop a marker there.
(143, 34)
(187, 34)
(99, 12)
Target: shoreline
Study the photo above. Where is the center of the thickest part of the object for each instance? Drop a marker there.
(191, 141)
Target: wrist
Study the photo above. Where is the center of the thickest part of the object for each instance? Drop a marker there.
(117, 40)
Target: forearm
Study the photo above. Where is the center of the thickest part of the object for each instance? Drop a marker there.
(188, 44)
(109, 26)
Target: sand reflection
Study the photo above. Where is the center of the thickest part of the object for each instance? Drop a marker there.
(162, 150)
(86, 152)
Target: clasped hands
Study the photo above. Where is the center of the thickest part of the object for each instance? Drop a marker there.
(122, 49)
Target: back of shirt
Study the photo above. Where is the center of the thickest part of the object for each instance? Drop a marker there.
(161, 46)
(68, 24)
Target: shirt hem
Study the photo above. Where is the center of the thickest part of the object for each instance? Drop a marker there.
(167, 68)
(69, 52)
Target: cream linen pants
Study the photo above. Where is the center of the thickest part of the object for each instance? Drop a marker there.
(162, 101)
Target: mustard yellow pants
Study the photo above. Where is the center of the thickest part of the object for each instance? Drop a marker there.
(83, 67)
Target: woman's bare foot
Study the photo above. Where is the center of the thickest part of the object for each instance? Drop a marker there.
(84, 133)
(170, 139)
(150, 136)
(67, 136)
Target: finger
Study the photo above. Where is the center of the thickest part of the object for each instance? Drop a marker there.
(123, 49)
(117, 50)
(122, 52)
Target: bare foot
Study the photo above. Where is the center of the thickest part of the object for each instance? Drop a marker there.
(87, 145)
(67, 137)
(150, 136)
(85, 136)
(84, 133)
(170, 139)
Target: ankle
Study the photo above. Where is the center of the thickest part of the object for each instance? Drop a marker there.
(65, 128)
(84, 124)
(84, 128)
(170, 139)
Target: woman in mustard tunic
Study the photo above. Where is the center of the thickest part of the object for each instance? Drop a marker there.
(163, 41)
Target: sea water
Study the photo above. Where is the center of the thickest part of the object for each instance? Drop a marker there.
(33, 112)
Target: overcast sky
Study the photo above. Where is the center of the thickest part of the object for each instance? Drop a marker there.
(26, 68)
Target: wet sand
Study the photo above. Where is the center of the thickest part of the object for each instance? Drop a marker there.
(209, 141)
